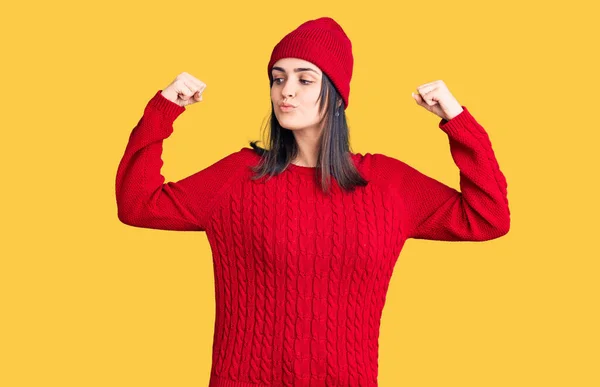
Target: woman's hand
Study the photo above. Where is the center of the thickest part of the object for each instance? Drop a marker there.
(436, 98)
(184, 90)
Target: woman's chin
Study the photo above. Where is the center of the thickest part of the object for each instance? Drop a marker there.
(290, 124)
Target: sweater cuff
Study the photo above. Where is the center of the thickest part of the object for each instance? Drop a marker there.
(168, 108)
(458, 123)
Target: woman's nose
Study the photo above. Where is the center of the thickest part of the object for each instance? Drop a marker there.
(287, 91)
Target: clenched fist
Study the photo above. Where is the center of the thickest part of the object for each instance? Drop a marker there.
(435, 97)
(184, 90)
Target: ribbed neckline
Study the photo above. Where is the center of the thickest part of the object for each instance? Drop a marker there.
(298, 168)
(301, 169)
(311, 170)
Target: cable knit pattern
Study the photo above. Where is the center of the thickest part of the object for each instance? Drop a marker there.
(301, 277)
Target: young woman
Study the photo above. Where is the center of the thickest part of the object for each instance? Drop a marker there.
(305, 234)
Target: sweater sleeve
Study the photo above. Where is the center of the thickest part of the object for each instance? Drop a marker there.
(143, 198)
(434, 211)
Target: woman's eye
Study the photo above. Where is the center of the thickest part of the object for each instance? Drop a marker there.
(302, 80)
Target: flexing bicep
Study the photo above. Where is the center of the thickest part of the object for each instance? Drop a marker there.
(143, 197)
(435, 211)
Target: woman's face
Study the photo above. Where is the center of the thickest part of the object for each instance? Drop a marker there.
(296, 82)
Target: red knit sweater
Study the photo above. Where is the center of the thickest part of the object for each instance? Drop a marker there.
(301, 277)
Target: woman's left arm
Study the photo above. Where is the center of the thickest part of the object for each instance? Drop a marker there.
(432, 210)
(435, 211)
(483, 199)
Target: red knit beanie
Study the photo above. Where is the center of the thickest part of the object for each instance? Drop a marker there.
(322, 42)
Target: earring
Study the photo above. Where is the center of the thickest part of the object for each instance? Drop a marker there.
(337, 113)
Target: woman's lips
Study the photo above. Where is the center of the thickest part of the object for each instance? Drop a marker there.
(287, 108)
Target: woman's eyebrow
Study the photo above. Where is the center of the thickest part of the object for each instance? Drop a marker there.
(296, 70)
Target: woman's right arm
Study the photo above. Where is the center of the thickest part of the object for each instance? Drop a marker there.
(143, 199)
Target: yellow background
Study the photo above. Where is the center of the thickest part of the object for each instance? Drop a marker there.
(88, 301)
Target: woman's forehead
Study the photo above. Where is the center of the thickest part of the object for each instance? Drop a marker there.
(289, 64)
